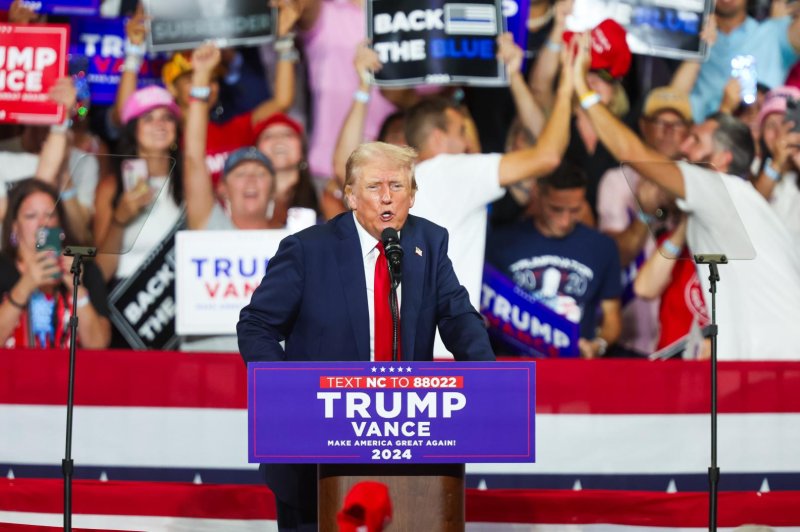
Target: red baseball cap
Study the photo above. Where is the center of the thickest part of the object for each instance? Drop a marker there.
(610, 50)
(277, 118)
(366, 506)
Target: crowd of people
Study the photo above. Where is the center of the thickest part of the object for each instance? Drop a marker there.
(589, 182)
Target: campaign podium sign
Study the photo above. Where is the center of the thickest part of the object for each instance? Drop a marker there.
(33, 57)
(391, 412)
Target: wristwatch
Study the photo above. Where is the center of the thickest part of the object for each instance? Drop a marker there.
(602, 345)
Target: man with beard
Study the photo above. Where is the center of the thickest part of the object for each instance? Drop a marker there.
(758, 311)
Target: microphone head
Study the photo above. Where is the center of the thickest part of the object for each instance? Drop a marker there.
(389, 235)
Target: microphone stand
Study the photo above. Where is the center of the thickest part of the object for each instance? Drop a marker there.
(713, 470)
(78, 254)
(395, 281)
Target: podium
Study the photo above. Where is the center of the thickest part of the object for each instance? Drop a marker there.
(410, 426)
(424, 496)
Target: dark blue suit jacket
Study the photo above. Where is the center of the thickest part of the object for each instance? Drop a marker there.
(314, 297)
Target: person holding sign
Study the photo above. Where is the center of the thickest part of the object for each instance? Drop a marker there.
(226, 137)
(759, 318)
(326, 291)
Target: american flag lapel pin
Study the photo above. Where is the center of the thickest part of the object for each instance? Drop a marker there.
(417, 251)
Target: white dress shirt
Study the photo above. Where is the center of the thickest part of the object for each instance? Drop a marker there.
(369, 254)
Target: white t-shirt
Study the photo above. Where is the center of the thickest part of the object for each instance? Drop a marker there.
(617, 208)
(453, 191)
(757, 300)
(785, 202)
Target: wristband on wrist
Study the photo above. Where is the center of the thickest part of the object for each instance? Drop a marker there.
(589, 99)
(82, 302)
(553, 46)
(69, 194)
(670, 247)
(285, 43)
(770, 172)
(602, 345)
(133, 63)
(361, 96)
(20, 306)
(137, 50)
(289, 55)
(62, 127)
(201, 94)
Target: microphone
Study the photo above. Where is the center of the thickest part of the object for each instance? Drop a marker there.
(394, 254)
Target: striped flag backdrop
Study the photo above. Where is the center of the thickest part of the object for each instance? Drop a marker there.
(160, 444)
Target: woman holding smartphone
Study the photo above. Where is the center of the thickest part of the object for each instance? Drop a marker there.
(138, 204)
(35, 282)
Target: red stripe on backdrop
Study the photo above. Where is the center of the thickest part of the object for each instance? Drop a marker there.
(631, 508)
(492, 506)
(202, 380)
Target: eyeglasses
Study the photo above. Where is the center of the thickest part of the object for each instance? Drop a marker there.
(675, 126)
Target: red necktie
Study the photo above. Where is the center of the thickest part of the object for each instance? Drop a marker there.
(383, 312)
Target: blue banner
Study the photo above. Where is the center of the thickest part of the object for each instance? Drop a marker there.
(516, 13)
(58, 7)
(101, 41)
(517, 318)
(391, 412)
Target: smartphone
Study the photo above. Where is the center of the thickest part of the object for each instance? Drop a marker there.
(793, 114)
(50, 238)
(743, 68)
(134, 171)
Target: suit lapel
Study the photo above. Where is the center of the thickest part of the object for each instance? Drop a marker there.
(413, 281)
(351, 275)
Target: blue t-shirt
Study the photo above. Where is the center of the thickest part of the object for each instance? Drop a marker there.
(572, 275)
(767, 41)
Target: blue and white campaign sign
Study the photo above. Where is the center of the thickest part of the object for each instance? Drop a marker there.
(391, 412)
(665, 29)
(523, 322)
(436, 42)
(58, 7)
(217, 273)
(102, 42)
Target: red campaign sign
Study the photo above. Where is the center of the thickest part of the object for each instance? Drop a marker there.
(32, 58)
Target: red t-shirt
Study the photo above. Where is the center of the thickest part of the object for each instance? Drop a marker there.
(681, 301)
(223, 139)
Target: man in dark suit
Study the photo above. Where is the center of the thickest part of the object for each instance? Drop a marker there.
(318, 292)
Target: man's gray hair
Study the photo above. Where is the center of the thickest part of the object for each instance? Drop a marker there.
(401, 158)
(734, 136)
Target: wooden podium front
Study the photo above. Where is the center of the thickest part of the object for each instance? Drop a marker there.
(426, 497)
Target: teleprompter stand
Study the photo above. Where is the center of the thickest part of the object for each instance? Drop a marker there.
(713, 260)
(78, 254)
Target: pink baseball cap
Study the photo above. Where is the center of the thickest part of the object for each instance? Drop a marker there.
(775, 102)
(147, 99)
